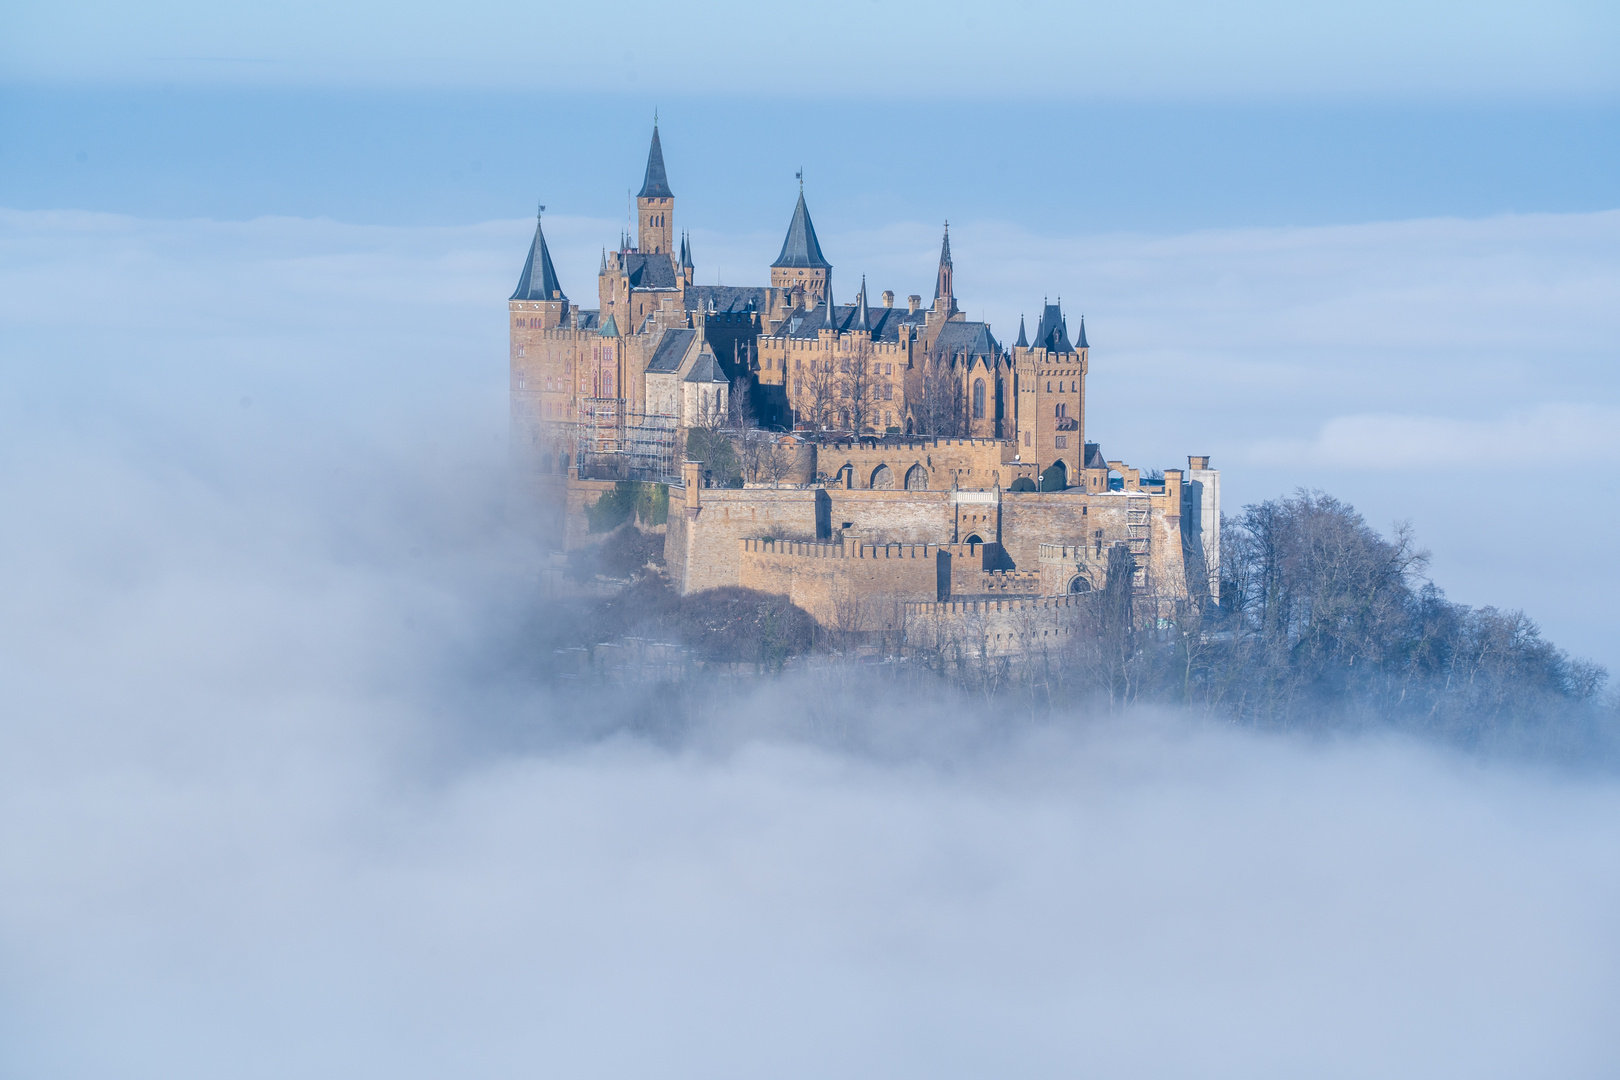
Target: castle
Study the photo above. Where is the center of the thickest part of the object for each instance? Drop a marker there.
(901, 469)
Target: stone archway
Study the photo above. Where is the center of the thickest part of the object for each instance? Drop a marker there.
(882, 479)
(916, 479)
(973, 538)
(1079, 584)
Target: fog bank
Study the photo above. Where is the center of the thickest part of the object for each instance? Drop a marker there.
(279, 794)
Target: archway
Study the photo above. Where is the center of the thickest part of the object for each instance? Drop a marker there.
(882, 479)
(916, 479)
(1079, 584)
(973, 538)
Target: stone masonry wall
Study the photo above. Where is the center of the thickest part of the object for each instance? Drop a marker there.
(844, 586)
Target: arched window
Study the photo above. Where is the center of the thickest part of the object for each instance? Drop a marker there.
(978, 399)
(916, 479)
(1079, 585)
(882, 479)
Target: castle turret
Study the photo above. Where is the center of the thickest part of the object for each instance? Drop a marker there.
(801, 264)
(538, 289)
(655, 204)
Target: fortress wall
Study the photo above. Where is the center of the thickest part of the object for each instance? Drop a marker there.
(579, 495)
(907, 517)
(701, 549)
(843, 586)
(965, 631)
(975, 463)
(1030, 518)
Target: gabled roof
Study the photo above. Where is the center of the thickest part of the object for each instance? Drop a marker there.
(707, 371)
(801, 248)
(656, 184)
(972, 338)
(885, 322)
(539, 278)
(649, 271)
(1053, 332)
(666, 359)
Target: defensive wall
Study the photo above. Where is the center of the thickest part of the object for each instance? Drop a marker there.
(965, 630)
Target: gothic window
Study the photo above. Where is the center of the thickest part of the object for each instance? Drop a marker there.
(882, 479)
(978, 399)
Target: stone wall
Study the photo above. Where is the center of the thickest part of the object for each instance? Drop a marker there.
(963, 631)
(845, 586)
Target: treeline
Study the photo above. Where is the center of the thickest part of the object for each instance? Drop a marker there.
(1321, 622)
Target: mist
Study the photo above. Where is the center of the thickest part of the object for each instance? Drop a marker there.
(281, 794)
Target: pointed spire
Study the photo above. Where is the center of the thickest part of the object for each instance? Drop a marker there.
(601, 271)
(1023, 342)
(539, 278)
(801, 248)
(942, 280)
(861, 320)
(1081, 344)
(686, 250)
(656, 183)
(831, 322)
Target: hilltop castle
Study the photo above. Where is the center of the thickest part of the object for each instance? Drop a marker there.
(918, 471)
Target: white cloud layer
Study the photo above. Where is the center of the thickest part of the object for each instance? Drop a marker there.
(277, 796)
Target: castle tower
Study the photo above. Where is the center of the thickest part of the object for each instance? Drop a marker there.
(655, 205)
(1051, 376)
(944, 287)
(538, 291)
(801, 264)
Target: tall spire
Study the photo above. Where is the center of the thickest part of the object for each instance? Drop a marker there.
(602, 270)
(539, 278)
(943, 285)
(800, 248)
(656, 184)
(861, 321)
(831, 322)
(1081, 344)
(686, 250)
(1023, 342)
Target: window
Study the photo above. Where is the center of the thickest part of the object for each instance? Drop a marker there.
(888, 392)
(1062, 442)
(1026, 438)
(978, 399)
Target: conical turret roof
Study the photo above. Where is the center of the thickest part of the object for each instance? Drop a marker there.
(1081, 344)
(656, 184)
(539, 278)
(801, 248)
(1023, 342)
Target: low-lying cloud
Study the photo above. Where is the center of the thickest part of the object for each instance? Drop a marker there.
(280, 793)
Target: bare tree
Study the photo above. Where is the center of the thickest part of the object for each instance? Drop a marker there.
(777, 461)
(818, 391)
(941, 406)
(857, 387)
(739, 404)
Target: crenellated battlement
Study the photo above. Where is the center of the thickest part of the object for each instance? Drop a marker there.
(807, 549)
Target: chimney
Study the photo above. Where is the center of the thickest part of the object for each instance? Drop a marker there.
(1197, 462)
(914, 301)
(888, 298)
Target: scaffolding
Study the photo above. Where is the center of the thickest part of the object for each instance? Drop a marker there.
(615, 444)
(1139, 533)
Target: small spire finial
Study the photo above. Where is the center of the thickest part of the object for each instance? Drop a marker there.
(655, 116)
(799, 176)
(540, 211)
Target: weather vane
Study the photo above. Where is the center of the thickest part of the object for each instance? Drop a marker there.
(799, 176)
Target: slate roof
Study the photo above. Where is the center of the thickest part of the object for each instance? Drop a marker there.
(649, 271)
(671, 350)
(973, 338)
(707, 371)
(801, 248)
(1094, 458)
(589, 319)
(1081, 344)
(726, 297)
(1053, 332)
(609, 328)
(656, 184)
(539, 278)
(884, 321)
(1023, 342)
